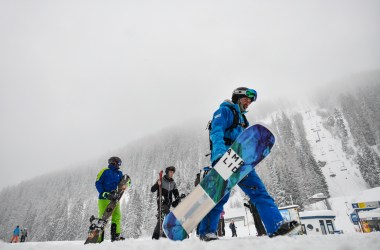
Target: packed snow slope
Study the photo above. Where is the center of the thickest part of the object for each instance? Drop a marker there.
(331, 242)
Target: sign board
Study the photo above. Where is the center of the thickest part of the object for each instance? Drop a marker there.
(354, 218)
(366, 205)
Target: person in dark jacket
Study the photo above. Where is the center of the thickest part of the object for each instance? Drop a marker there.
(106, 183)
(233, 228)
(169, 188)
(24, 234)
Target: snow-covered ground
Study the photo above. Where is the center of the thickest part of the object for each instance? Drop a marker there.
(330, 242)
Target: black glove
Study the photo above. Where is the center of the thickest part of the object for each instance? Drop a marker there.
(113, 195)
(176, 202)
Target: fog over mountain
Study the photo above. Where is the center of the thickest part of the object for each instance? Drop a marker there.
(79, 79)
(57, 206)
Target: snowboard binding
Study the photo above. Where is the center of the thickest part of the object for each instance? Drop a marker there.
(97, 223)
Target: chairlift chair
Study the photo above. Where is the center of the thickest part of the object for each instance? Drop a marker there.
(343, 168)
(332, 174)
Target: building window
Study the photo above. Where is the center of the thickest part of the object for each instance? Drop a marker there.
(330, 226)
(323, 228)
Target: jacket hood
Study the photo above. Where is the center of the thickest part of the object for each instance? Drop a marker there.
(168, 179)
(229, 103)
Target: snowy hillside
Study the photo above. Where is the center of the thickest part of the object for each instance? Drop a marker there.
(342, 174)
(336, 149)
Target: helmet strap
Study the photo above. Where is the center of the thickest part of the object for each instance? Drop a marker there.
(242, 109)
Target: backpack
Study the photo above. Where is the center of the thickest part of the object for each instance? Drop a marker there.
(234, 124)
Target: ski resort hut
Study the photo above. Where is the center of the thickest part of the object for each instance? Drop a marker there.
(366, 210)
(370, 220)
(318, 222)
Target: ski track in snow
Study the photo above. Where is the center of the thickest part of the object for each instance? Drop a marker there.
(330, 242)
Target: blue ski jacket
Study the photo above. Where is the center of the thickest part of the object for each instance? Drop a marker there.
(16, 231)
(222, 120)
(108, 180)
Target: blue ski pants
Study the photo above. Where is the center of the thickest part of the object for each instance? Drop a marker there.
(256, 191)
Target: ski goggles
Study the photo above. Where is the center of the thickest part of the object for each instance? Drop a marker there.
(250, 93)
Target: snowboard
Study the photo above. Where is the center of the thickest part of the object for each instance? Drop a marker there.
(98, 224)
(248, 150)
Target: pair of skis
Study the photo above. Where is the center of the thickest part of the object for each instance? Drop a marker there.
(160, 219)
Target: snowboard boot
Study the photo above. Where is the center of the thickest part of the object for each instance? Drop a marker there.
(208, 237)
(285, 229)
(155, 236)
(115, 236)
(156, 232)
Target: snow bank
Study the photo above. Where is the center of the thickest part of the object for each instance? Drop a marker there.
(317, 213)
(372, 194)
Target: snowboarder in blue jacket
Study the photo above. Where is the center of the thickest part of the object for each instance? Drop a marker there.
(106, 183)
(228, 123)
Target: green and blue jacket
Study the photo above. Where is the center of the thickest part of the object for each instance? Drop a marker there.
(108, 179)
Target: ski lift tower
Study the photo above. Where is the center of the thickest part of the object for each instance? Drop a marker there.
(319, 138)
(320, 197)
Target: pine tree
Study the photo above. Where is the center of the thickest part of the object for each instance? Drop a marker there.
(369, 165)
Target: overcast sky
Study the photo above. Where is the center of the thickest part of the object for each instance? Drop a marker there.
(80, 78)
